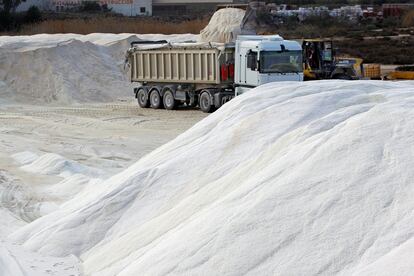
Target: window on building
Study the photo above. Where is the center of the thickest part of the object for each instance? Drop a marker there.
(142, 9)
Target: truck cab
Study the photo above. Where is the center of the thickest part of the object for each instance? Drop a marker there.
(264, 59)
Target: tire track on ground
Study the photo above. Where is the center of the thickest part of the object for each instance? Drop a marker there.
(18, 200)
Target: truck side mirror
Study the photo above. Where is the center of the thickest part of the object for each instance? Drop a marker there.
(252, 61)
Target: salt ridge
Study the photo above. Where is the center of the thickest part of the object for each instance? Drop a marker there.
(294, 178)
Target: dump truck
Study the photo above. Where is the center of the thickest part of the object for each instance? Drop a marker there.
(209, 74)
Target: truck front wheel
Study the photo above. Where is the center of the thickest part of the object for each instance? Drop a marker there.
(205, 103)
(168, 100)
(142, 97)
(155, 99)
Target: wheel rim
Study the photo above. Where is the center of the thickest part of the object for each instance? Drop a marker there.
(155, 100)
(141, 97)
(168, 99)
(204, 102)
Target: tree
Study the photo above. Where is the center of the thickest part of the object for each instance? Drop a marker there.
(33, 15)
(10, 5)
(6, 20)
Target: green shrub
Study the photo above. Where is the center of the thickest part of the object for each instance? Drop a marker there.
(90, 6)
(6, 20)
(405, 68)
(33, 15)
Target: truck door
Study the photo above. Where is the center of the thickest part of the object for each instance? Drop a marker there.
(251, 68)
(241, 68)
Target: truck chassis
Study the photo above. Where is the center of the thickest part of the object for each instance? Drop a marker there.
(170, 96)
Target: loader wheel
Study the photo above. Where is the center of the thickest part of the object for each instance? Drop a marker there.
(142, 97)
(341, 77)
(205, 104)
(168, 100)
(155, 99)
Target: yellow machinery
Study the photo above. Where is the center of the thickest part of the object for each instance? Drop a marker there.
(356, 64)
(319, 62)
(401, 73)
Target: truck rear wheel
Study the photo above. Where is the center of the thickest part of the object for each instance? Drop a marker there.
(142, 97)
(155, 99)
(168, 100)
(205, 103)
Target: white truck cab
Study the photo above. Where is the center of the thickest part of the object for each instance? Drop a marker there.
(264, 59)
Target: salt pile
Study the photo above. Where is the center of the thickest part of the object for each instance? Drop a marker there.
(289, 179)
(66, 68)
(15, 261)
(224, 26)
(58, 75)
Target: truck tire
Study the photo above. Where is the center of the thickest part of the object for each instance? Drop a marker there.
(142, 97)
(168, 100)
(155, 99)
(205, 103)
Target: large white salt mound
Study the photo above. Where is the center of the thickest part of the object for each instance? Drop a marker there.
(67, 68)
(15, 261)
(288, 179)
(224, 26)
(71, 72)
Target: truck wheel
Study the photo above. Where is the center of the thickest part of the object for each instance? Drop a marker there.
(142, 97)
(205, 103)
(168, 100)
(155, 99)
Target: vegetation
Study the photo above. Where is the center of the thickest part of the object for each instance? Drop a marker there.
(408, 19)
(14, 21)
(10, 5)
(337, 2)
(387, 41)
(93, 6)
(405, 68)
(33, 15)
(112, 24)
(381, 50)
(10, 20)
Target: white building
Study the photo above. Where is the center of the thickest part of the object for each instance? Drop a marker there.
(132, 7)
(125, 7)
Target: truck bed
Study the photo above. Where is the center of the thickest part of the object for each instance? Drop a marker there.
(193, 64)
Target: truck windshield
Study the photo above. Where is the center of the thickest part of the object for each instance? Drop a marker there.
(281, 62)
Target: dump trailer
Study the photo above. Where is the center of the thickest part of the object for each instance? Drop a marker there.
(209, 74)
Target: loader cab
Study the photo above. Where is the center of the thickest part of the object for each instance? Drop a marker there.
(264, 59)
(318, 58)
(320, 62)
